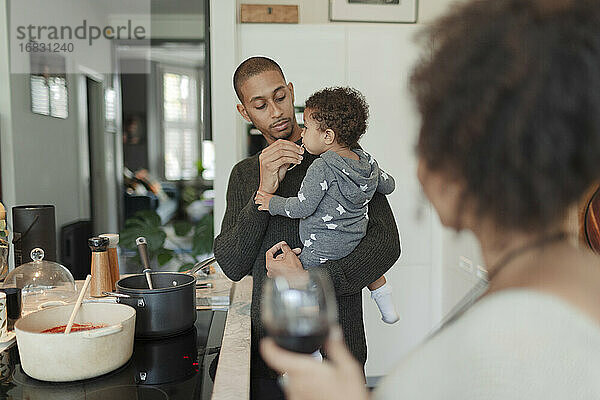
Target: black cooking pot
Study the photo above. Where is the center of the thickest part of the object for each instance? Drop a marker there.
(166, 310)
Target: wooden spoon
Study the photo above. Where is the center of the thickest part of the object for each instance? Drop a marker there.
(78, 304)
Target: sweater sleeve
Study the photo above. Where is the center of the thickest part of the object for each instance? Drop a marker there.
(313, 188)
(386, 184)
(375, 254)
(242, 231)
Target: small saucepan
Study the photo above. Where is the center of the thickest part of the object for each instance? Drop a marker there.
(167, 309)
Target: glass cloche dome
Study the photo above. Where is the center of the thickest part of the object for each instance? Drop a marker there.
(42, 283)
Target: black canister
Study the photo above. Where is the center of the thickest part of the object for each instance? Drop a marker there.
(33, 226)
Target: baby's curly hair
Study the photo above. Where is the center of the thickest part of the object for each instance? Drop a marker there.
(341, 109)
(510, 103)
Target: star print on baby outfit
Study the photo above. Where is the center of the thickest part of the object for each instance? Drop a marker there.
(332, 205)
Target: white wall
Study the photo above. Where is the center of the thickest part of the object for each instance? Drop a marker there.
(177, 26)
(42, 160)
(6, 138)
(46, 153)
(226, 125)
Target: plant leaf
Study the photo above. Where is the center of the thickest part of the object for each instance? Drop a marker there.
(164, 256)
(202, 241)
(182, 228)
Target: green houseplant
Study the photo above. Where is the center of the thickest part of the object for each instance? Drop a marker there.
(147, 223)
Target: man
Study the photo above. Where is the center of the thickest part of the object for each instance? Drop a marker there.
(267, 101)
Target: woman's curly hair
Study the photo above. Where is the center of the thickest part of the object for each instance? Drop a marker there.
(510, 103)
(341, 109)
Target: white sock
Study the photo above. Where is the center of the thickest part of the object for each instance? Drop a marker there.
(383, 298)
(317, 356)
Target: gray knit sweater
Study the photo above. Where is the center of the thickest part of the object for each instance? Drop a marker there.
(247, 233)
(333, 205)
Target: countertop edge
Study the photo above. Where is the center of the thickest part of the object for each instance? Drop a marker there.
(234, 358)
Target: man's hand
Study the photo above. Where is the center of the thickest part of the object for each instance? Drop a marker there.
(337, 378)
(286, 263)
(274, 162)
(262, 199)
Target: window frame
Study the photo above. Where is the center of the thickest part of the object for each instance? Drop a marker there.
(162, 69)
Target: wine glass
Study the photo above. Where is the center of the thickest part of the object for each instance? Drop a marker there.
(299, 310)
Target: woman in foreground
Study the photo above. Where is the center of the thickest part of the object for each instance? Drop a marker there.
(510, 140)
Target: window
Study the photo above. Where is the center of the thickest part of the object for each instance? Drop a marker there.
(49, 95)
(180, 125)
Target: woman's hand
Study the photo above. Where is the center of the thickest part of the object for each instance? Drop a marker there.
(262, 199)
(285, 263)
(337, 378)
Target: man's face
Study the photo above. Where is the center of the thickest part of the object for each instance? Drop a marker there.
(268, 103)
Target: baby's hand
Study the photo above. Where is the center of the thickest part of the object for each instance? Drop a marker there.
(262, 199)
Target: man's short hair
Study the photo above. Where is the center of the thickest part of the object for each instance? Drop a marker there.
(251, 67)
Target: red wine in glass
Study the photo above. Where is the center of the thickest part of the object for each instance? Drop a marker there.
(307, 343)
(298, 311)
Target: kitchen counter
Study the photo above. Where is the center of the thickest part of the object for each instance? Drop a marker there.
(217, 348)
(234, 360)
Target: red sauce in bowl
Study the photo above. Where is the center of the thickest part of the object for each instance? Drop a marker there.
(75, 328)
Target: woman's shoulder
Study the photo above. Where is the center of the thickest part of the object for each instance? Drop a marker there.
(506, 345)
(512, 315)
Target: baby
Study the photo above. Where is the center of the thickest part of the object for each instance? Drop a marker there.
(334, 195)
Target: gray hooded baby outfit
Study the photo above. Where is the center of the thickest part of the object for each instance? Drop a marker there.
(333, 204)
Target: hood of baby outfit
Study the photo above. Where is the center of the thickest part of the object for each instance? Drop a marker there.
(357, 179)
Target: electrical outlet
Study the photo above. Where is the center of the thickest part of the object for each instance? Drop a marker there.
(465, 263)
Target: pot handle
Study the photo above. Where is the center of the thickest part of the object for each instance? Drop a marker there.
(51, 303)
(109, 330)
(114, 294)
(120, 297)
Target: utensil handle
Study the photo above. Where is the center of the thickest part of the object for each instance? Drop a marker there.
(78, 304)
(143, 249)
(142, 246)
(200, 265)
(147, 272)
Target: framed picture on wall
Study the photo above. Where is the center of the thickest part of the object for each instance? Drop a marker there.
(404, 11)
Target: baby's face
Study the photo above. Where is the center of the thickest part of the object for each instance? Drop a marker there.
(312, 138)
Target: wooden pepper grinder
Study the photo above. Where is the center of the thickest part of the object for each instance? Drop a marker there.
(101, 276)
(113, 257)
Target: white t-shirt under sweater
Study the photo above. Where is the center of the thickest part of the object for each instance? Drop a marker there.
(513, 344)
